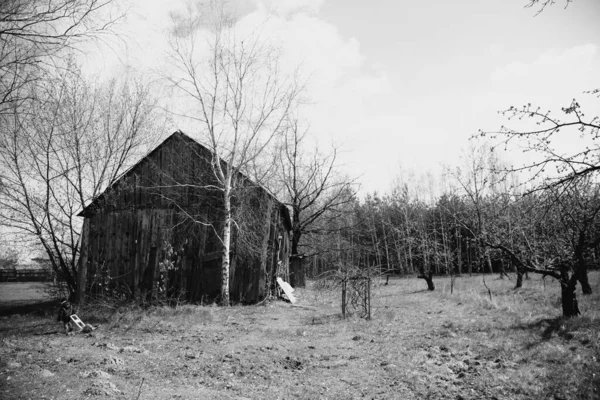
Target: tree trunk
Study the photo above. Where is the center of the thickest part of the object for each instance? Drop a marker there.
(570, 306)
(60, 268)
(502, 269)
(296, 230)
(400, 268)
(429, 279)
(445, 246)
(469, 265)
(458, 253)
(408, 241)
(520, 270)
(387, 249)
(488, 258)
(295, 241)
(581, 272)
(226, 248)
(584, 281)
(375, 241)
(519, 283)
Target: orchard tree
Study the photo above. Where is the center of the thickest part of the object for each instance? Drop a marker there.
(543, 244)
(558, 173)
(547, 133)
(578, 207)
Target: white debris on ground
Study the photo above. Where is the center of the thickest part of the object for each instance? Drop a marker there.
(287, 289)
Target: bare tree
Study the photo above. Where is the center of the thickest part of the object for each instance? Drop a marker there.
(542, 4)
(578, 207)
(64, 149)
(312, 184)
(35, 34)
(556, 178)
(476, 179)
(547, 142)
(237, 95)
(544, 247)
(543, 133)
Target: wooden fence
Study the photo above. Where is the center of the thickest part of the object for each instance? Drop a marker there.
(17, 274)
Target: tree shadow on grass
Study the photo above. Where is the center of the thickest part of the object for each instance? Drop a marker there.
(22, 330)
(419, 291)
(561, 327)
(546, 327)
(324, 319)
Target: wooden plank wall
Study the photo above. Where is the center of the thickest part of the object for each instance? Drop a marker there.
(125, 250)
(149, 221)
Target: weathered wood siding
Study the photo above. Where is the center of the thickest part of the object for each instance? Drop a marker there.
(151, 235)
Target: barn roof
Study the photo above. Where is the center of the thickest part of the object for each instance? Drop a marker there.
(90, 207)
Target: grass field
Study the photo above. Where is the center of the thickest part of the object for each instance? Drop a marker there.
(418, 345)
(17, 293)
(24, 297)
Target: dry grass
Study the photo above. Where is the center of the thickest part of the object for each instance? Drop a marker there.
(537, 298)
(527, 326)
(419, 345)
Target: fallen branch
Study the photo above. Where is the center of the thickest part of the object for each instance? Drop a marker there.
(140, 390)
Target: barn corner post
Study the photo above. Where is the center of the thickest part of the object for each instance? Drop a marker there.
(263, 283)
(82, 263)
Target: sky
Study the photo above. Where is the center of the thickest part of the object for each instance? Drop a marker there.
(402, 85)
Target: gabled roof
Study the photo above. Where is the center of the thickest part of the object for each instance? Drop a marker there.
(89, 208)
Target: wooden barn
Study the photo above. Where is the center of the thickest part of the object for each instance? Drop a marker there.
(154, 234)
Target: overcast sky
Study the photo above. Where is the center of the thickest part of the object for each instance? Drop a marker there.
(403, 84)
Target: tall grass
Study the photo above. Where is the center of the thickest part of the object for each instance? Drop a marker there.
(538, 298)
(113, 315)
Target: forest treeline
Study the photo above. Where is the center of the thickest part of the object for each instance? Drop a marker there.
(484, 222)
(401, 235)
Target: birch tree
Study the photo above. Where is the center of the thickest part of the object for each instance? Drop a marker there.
(235, 93)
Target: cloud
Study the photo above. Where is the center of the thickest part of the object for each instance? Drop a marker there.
(550, 81)
(336, 65)
(552, 71)
(342, 81)
(289, 7)
(345, 88)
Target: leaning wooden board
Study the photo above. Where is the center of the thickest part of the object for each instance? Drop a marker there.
(287, 289)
